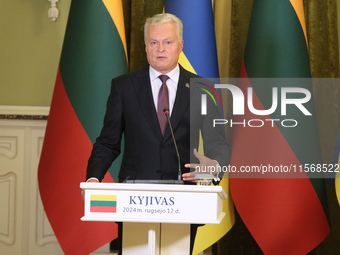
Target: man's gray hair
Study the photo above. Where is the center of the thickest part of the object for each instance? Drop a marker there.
(162, 18)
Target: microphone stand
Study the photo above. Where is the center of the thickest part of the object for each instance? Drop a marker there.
(179, 178)
(167, 112)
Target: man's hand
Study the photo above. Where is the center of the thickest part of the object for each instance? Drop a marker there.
(83, 191)
(206, 166)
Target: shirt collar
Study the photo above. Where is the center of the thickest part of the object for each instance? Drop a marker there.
(173, 74)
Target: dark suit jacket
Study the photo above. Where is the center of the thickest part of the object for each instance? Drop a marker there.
(147, 155)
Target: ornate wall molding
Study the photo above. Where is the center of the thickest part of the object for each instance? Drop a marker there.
(23, 117)
(8, 188)
(8, 146)
(23, 113)
(24, 227)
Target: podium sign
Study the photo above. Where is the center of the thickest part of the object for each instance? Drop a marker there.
(154, 203)
(156, 217)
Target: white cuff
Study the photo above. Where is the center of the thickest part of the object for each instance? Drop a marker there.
(92, 178)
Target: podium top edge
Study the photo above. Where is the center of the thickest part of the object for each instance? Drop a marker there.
(151, 187)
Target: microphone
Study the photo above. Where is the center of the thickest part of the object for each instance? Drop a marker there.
(167, 112)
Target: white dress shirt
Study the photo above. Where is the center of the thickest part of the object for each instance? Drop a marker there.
(172, 83)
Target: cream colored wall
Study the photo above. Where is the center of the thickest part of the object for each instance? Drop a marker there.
(30, 47)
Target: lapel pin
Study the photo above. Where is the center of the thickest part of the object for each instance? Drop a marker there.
(187, 85)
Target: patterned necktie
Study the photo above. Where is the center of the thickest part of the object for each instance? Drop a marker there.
(163, 102)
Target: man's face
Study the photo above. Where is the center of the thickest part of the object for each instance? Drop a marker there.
(163, 47)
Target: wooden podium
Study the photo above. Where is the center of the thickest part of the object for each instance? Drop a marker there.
(156, 217)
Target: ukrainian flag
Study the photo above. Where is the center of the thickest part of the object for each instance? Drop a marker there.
(200, 56)
(334, 167)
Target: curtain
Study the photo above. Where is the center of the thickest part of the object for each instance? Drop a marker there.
(135, 14)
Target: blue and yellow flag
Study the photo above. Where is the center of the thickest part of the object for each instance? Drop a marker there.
(334, 166)
(200, 56)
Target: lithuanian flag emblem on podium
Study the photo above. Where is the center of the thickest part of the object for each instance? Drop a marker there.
(103, 203)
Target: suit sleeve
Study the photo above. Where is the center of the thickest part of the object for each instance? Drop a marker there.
(107, 146)
(214, 138)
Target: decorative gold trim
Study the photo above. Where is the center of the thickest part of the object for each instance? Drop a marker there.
(24, 112)
(23, 117)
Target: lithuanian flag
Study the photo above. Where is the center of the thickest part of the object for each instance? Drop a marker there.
(103, 203)
(284, 215)
(93, 53)
(200, 56)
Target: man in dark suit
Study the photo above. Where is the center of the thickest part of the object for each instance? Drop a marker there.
(135, 109)
(132, 110)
